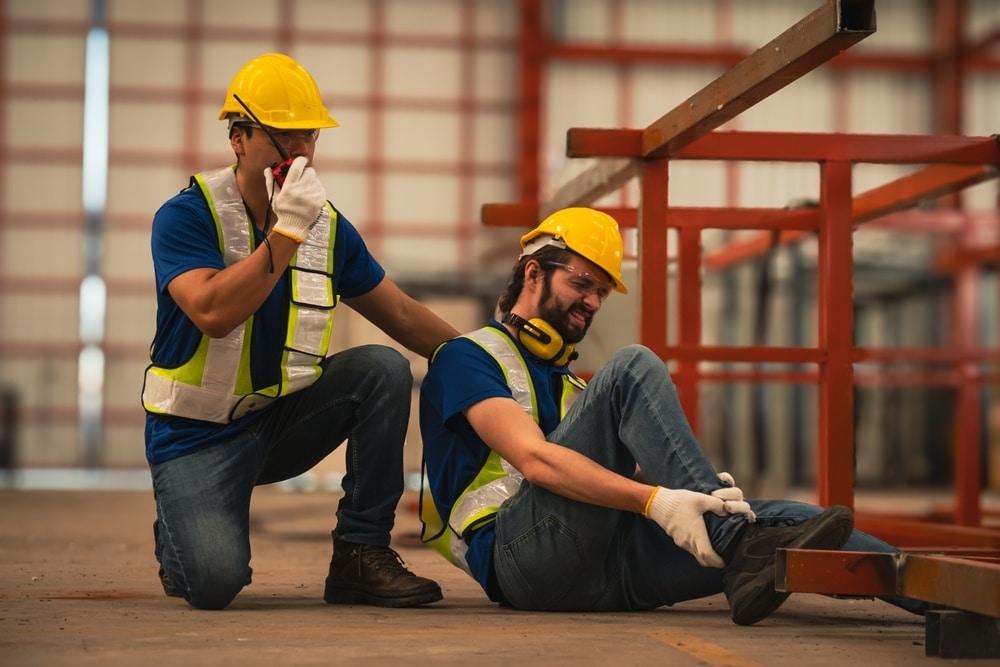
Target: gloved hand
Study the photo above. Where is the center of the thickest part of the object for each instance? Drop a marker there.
(733, 497)
(299, 202)
(680, 513)
(727, 480)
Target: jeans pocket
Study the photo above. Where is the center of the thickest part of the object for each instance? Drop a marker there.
(542, 568)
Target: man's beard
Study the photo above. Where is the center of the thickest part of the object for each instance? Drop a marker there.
(557, 315)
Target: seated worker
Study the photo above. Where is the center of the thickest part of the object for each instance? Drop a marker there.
(560, 496)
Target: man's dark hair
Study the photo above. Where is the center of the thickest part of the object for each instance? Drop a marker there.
(246, 127)
(544, 256)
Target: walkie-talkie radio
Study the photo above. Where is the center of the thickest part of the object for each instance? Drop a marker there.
(279, 169)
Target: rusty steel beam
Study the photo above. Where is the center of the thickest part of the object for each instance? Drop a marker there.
(524, 214)
(603, 178)
(817, 38)
(969, 584)
(928, 355)
(745, 353)
(530, 45)
(910, 190)
(892, 197)
(955, 582)
(810, 355)
(898, 195)
(835, 572)
(952, 260)
(509, 215)
(835, 26)
(863, 378)
(835, 310)
(584, 142)
(775, 219)
(915, 533)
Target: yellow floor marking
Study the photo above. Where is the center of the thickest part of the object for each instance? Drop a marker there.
(711, 654)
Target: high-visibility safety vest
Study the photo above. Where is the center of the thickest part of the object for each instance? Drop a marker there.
(497, 480)
(215, 384)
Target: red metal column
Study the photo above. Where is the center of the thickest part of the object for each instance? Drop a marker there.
(375, 140)
(530, 48)
(467, 228)
(194, 92)
(5, 103)
(836, 337)
(968, 432)
(948, 73)
(652, 256)
(689, 318)
(948, 64)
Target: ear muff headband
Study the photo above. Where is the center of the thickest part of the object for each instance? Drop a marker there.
(541, 339)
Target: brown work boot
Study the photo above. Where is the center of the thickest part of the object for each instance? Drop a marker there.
(368, 574)
(749, 575)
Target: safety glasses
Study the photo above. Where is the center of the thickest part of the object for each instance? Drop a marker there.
(289, 138)
(583, 282)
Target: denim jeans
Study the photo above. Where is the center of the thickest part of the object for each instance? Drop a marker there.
(557, 554)
(202, 527)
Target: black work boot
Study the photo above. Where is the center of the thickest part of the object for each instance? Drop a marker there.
(749, 575)
(368, 574)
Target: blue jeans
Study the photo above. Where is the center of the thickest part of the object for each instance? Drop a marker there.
(557, 554)
(202, 527)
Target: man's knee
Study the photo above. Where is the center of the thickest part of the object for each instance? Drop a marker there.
(370, 362)
(636, 360)
(396, 365)
(389, 370)
(215, 589)
(634, 353)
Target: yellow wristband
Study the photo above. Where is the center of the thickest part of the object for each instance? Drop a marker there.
(288, 235)
(645, 510)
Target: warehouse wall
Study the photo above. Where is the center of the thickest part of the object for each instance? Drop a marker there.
(426, 94)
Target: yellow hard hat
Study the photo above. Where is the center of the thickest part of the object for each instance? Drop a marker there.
(589, 233)
(280, 92)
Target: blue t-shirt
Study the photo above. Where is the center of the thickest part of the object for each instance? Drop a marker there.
(184, 237)
(462, 374)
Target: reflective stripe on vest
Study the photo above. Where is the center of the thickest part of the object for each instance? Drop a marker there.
(497, 480)
(215, 383)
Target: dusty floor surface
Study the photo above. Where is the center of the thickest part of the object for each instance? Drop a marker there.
(78, 587)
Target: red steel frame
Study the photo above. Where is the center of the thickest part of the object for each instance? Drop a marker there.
(955, 163)
(688, 132)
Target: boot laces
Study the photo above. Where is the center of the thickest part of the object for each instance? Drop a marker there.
(384, 559)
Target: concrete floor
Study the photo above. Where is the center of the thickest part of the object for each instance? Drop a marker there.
(78, 587)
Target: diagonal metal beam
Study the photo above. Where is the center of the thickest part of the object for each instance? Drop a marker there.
(898, 195)
(835, 26)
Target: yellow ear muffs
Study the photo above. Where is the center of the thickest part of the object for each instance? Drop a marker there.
(541, 339)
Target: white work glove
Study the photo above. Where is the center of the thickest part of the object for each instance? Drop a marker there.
(733, 497)
(680, 513)
(298, 203)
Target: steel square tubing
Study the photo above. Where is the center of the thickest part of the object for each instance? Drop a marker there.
(962, 583)
(582, 142)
